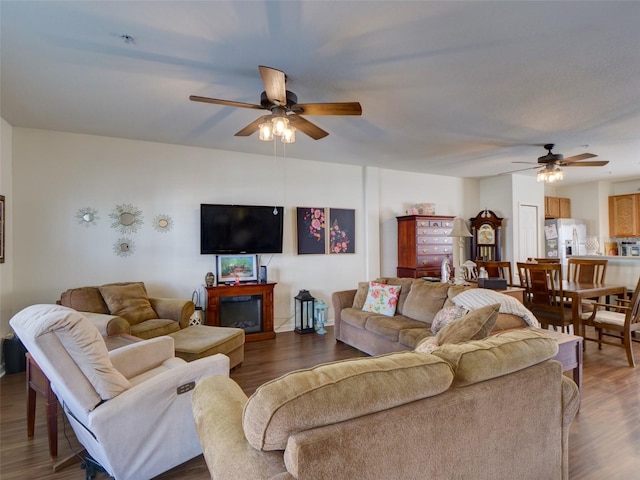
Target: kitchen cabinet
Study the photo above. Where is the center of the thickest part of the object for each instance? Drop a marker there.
(624, 215)
(557, 207)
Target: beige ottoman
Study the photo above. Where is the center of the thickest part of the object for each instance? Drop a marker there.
(199, 341)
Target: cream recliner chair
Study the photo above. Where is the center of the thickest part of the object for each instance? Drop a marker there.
(131, 407)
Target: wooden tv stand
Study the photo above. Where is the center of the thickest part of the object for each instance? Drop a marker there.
(214, 294)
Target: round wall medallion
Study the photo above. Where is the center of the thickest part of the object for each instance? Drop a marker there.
(162, 223)
(127, 218)
(124, 247)
(87, 216)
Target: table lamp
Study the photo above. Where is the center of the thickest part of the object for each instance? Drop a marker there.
(460, 231)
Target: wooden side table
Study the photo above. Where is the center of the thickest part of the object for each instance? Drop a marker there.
(38, 382)
(569, 353)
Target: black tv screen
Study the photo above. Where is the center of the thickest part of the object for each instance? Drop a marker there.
(231, 229)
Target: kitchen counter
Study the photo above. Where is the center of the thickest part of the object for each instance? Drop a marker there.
(609, 257)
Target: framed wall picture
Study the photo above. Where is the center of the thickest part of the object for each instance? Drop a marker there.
(2, 220)
(237, 268)
(311, 230)
(342, 230)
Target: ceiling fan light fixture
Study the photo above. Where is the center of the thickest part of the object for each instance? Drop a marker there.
(266, 131)
(550, 174)
(289, 135)
(280, 124)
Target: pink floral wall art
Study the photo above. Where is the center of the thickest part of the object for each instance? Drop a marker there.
(311, 230)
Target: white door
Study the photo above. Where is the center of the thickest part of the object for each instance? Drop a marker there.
(528, 232)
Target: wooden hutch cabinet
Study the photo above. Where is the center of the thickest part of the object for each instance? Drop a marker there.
(423, 242)
(624, 215)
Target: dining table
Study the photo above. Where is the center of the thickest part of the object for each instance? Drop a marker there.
(579, 291)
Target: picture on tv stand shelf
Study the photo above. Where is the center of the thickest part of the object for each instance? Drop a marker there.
(240, 229)
(237, 268)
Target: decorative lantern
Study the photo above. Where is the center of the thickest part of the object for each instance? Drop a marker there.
(305, 305)
(198, 315)
(321, 309)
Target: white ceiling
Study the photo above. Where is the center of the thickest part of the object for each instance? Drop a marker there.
(449, 88)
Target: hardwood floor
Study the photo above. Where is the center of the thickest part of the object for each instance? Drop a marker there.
(604, 439)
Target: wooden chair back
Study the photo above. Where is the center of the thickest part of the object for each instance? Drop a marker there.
(543, 293)
(543, 260)
(621, 321)
(497, 269)
(586, 270)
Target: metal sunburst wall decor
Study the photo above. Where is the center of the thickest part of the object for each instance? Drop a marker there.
(127, 218)
(162, 223)
(87, 216)
(124, 247)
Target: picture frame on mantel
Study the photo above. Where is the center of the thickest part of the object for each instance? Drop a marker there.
(2, 232)
(311, 230)
(237, 268)
(342, 230)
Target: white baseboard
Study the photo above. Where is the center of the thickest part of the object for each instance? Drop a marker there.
(289, 328)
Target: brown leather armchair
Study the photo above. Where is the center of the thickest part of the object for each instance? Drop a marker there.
(117, 308)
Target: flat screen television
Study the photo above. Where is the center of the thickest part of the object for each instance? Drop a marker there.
(232, 229)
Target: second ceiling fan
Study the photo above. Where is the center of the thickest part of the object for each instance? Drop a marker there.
(284, 107)
(551, 164)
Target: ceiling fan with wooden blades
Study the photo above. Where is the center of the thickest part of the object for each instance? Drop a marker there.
(284, 104)
(552, 162)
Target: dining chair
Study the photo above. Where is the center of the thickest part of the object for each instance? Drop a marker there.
(470, 270)
(543, 294)
(546, 260)
(543, 260)
(622, 318)
(497, 269)
(587, 271)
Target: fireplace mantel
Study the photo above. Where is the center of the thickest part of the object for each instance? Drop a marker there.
(214, 294)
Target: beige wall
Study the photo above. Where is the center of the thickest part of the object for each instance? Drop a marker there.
(55, 174)
(47, 176)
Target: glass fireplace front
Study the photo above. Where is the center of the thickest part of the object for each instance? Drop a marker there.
(244, 311)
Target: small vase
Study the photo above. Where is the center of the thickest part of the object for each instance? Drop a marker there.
(592, 245)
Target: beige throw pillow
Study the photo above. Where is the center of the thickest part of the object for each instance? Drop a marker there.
(84, 299)
(424, 300)
(361, 295)
(475, 325)
(128, 301)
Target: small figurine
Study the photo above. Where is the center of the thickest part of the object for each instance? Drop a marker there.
(445, 270)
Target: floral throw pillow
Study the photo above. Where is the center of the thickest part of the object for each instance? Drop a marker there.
(428, 345)
(382, 299)
(446, 316)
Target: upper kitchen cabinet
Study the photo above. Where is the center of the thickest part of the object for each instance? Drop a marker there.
(624, 215)
(557, 207)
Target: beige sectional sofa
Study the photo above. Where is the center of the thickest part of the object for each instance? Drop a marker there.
(482, 409)
(125, 307)
(418, 304)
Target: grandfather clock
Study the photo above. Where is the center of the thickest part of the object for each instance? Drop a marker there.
(486, 242)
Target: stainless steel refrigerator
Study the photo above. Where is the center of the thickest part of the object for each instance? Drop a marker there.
(564, 237)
